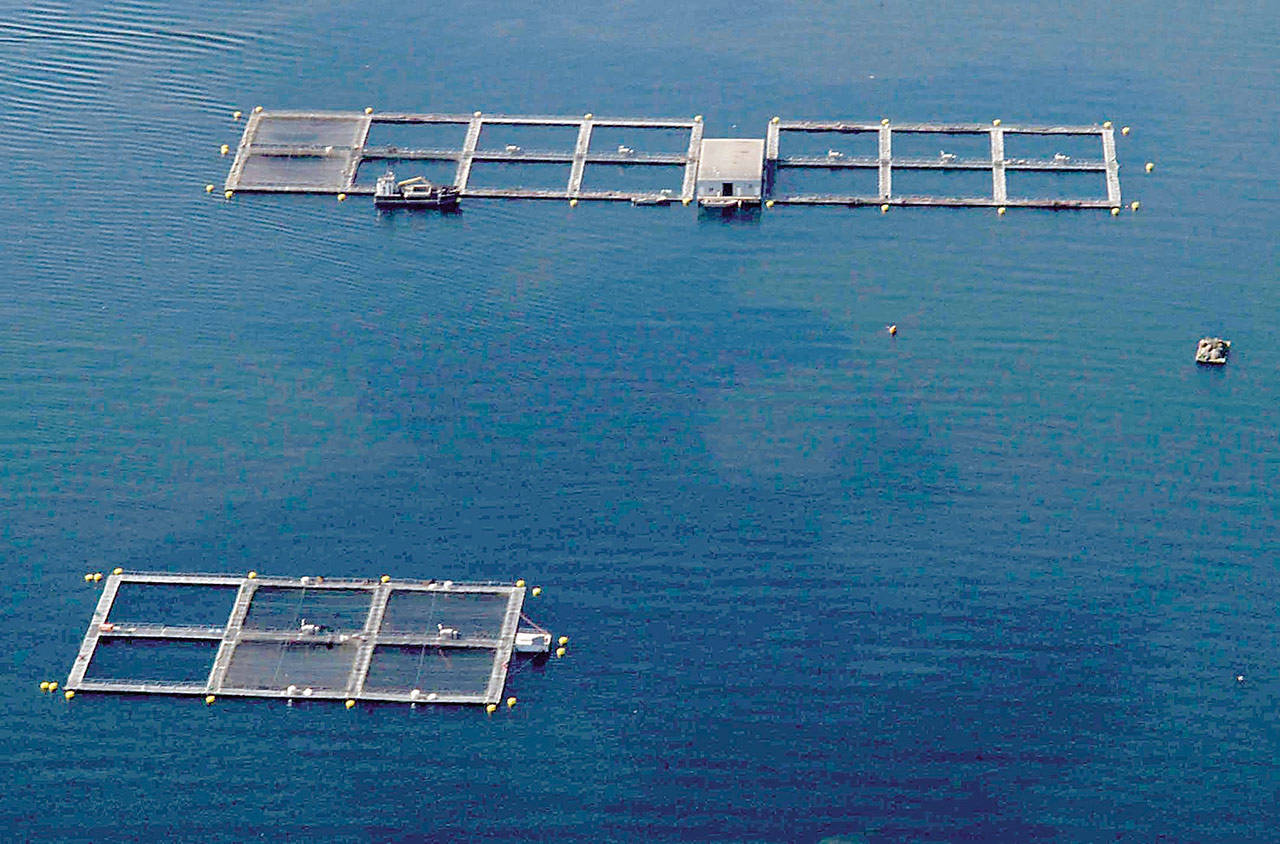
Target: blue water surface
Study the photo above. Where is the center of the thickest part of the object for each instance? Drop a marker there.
(994, 579)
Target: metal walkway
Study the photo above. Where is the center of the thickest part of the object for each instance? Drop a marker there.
(323, 151)
(478, 621)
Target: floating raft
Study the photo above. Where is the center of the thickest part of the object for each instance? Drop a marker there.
(298, 638)
(323, 152)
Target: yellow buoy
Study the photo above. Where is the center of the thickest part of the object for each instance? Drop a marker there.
(684, 201)
(1106, 124)
(386, 578)
(1000, 210)
(491, 708)
(342, 197)
(768, 203)
(475, 114)
(350, 704)
(208, 188)
(224, 149)
(44, 685)
(252, 575)
(776, 119)
(68, 694)
(368, 109)
(1115, 212)
(560, 652)
(209, 699)
(53, 686)
(97, 576)
(893, 330)
(117, 570)
(235, 115)
(1124, 130)
(1150, 166)
(995, 122)
(697, 118)
(537, 590)
(564, 640)
(228, 194)
(257, 109)
(588, 116)
(511, 701)
(884, 121)
(88, 578)
(884, 209)
(573, 203)
(520, 582)
(1135, 205)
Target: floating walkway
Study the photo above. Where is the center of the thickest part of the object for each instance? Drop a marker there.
(323, 152)
(298, 638)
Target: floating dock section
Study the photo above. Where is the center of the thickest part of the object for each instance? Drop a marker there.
(324, 152)
(300, 638)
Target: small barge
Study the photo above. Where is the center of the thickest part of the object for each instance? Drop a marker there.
(1212, 351)
(416, 192)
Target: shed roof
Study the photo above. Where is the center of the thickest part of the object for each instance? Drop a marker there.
(731, 160)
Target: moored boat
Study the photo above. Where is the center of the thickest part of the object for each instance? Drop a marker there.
(416, 192)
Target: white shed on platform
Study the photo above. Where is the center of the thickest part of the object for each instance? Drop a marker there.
(730, 171)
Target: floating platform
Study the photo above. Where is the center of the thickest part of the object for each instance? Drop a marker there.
(323, 151)
(303, 638)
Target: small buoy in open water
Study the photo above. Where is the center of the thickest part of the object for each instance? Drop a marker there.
(1106, 124)
(209, 699)
(1239, 678)
(560, 652)
(573, 203)
(520, 582)
(884, 209)
(768, 203)
(97, 576)
(117, 570)
(228, 194)
(368, 109)
(224, 149)
(884, 121)
(893, 330)
(564, 640)
(491, 708)
(588, 116)
(475, 114)
(1000, 210)
(88, 578)
(342, 197)
(1124, 130)
(68, 694)
(1135, 205)
(257, 109)
(1151, 165)
(235, 115)
(537, 590)
(251, 575)
(44, 685)
(350, 703)
(386, 578)
(776, 119)
(1115, 212)
(53, 686)
(208, 188)
(697, 118)
(995, 122)
(511, 702)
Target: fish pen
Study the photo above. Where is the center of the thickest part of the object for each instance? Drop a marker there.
(304, 638)
(332, 152)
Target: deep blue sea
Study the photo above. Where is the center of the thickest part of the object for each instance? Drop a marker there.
(991, 580)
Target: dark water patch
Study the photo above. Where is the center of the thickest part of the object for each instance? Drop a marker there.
(152, 660)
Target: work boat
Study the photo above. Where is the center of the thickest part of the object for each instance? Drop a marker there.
(413, 193)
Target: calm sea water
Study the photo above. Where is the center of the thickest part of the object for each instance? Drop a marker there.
(993, 580)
